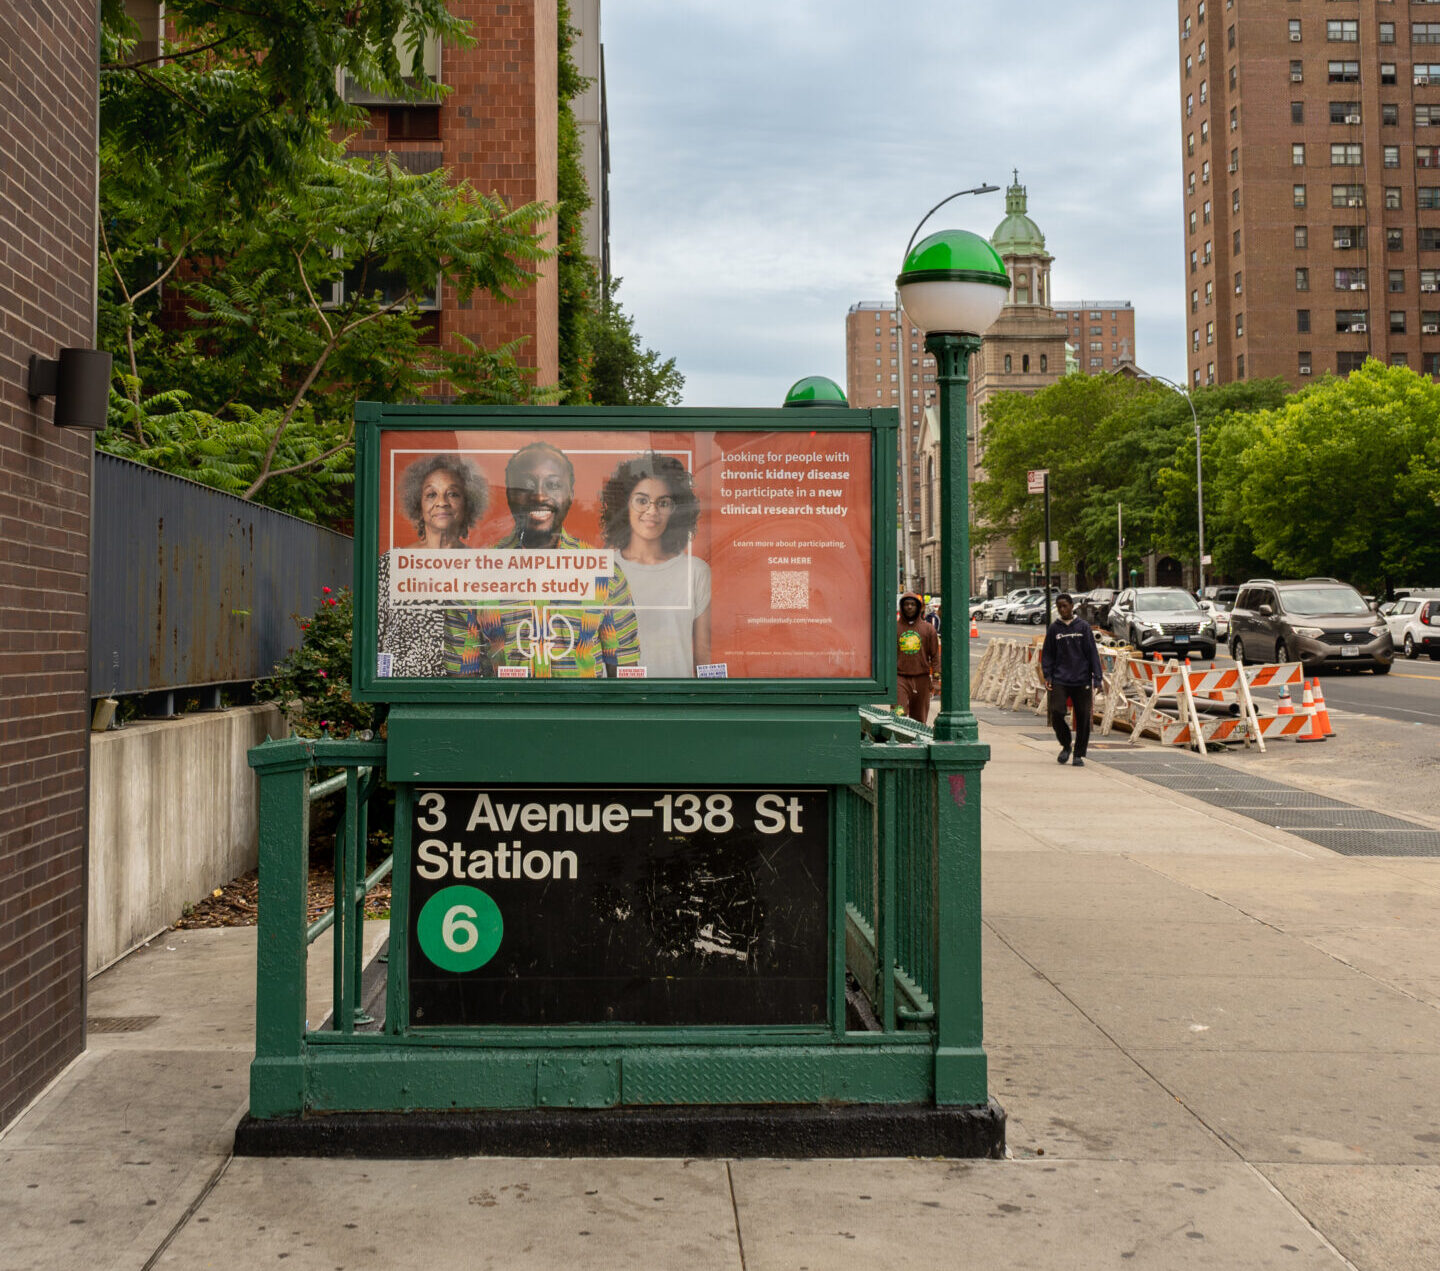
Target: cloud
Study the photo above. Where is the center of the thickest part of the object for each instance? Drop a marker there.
(769, 162)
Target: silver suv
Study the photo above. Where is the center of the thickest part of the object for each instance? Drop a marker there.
(1321, 622)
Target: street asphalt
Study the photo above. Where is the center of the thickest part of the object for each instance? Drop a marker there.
(1218, 1045)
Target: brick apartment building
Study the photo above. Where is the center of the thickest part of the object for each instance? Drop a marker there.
(496, 129)
(48, 93)
(1030, 346)
(1310, 136)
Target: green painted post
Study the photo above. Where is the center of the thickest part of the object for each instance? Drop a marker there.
(277, 1077)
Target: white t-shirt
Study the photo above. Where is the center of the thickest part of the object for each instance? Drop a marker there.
(668, 598)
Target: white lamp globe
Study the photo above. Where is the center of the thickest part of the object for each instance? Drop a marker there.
(953, 282)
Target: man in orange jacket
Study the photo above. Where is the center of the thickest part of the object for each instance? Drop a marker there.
(917, 658)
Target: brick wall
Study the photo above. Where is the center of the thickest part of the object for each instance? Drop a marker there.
(497, 130)
(47, 254)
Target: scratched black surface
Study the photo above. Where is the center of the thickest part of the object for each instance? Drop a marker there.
(703, 928)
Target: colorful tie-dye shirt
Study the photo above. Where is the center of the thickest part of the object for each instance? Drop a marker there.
(553, 639)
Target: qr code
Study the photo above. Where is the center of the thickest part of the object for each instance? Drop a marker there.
(789, 589)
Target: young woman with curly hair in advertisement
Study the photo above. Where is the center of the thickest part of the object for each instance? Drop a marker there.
(648, 513)
(443, 496)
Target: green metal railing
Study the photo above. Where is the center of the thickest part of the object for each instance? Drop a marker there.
(904, 927)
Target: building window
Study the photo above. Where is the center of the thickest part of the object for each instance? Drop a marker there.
(1188, 63)
(1205, 172)
(1302, 320)
(1347, 196)
(1302, 279)
(1350, 280)
(1297, 72)
(1297, 155)
(1343, 113)
(1427, 156)
(1007, 364)
(1394, 240)
(1393, 200)
(1425, 33)
(1297, 195)
(1302, 236)
(1342, 30)
(1201, 56)
(1205, 256)
(1234, 82)
(1209, 372)
(1044, 364)
(1344, 72)
(1204, 131)
(1388, 74)
(1192, 222)
(1209, 293)
(1239, 324)
(1395, 281)
(1345, 363)
(1194, 302)
(1427, 116)
(1203, 84)
(1295, 30)
(1240, 366)
(1210, 333)
(1234, 200)
(1195, 340)
(1397, 321)
(1234, 120)
(1238, 288)
(1190, 184)
(1192, 262)
(1399, 359)
(1427, 73)
(1297, 113)
(1350, 320)
(1429, 238)
(1347, 237)
(1346, 154)
(1389, 113)
(1230, 36)
(1304, 361)
(1431, 364)
(1428, 197)
(1235, 242)
(1025, 363)
(1430, 322)
(1205, 211)
(1390, 156)
(1190, 144)
(1430, 279)
(1387, 33)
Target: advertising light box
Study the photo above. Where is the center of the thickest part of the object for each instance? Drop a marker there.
(517, 552)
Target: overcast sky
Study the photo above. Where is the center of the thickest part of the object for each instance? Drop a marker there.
(770, 158)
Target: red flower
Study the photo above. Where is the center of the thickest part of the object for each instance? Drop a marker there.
(326, 590)
(324, 675)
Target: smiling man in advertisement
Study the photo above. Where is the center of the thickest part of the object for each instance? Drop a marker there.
(588, 638)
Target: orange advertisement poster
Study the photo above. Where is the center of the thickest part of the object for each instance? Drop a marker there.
(625, 555)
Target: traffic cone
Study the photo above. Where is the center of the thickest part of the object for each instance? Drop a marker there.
(974, 628)
(1307, 708)
(1216, 694)
(1321, 713)
(1285, 706)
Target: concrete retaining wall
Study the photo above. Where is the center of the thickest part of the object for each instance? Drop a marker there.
(173, 815)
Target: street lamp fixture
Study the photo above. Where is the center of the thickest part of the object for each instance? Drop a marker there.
(1199, 484)
(953, 284)
(815, 390)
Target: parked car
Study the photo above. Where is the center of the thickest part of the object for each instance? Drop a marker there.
(1414, 625)
(1221, 593)
(1162, 620)
(1094, 606)
(1017, 597)
(1321, 622)
(1032, 611)
(1219, 611)
(1024, 600)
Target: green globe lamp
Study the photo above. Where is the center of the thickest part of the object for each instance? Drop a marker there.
(815, 390)
(952, 286)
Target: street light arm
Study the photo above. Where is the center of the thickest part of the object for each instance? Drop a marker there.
(979, 189)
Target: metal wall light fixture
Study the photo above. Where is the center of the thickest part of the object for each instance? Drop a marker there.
(79, 381)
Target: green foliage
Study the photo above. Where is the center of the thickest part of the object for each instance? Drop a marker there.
(625, 373)
(312, 684)
(1343, 478)
(579, 284)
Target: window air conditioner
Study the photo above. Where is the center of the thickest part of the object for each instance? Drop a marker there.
(1234, 167)
(1422, 79)
(1357, 286)
(1432, 329)
(1427, 286)
(1294, 37)
(1342, 242)
(1353, 202)
(1352, 119)
(1297, 77)
(1359, 327)
(1304, 370)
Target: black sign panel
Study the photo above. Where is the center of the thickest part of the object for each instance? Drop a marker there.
(558, 905)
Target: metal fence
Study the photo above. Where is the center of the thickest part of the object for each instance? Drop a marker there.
(193, 587)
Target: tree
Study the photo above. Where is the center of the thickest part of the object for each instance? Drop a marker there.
(255, 280)
(625, 373)
(1344, 479)
(579, 284)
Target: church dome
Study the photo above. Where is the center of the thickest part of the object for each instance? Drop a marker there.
(1017, 234)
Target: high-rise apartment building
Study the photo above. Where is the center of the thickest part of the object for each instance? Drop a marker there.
(1102, 333)
(1312, 186)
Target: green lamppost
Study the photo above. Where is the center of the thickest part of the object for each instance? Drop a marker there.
(953, 286)
(815, 390)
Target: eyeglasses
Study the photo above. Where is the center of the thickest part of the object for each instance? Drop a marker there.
(642, 501)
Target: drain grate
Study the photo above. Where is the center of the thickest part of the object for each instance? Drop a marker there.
(1328, 819)
(1250, 800)
(1375, 842)
(119, 1023)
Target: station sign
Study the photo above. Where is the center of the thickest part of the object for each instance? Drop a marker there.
(552, 905)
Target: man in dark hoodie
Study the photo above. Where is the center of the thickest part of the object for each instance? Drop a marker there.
(917, 658)
(1070, 664)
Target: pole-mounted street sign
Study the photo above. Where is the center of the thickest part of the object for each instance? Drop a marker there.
(1035, 480)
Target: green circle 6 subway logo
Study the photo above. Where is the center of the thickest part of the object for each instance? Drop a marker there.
(460, 929)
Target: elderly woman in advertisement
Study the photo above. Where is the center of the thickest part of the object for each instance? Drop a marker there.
(648, 513)
(443, 496)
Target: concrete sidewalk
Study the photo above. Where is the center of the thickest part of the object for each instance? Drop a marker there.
(1218, 1046)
